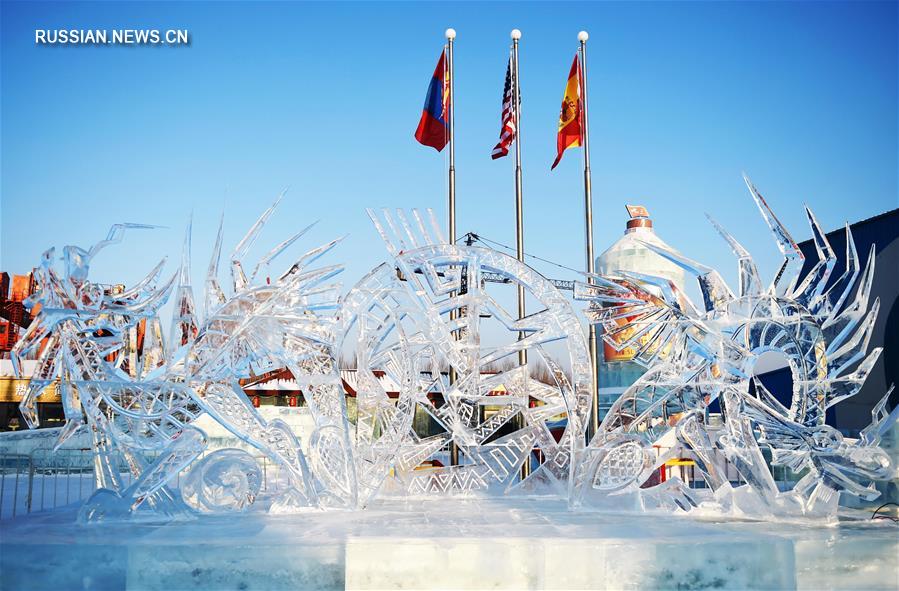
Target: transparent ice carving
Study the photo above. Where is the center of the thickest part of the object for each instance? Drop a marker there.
(454, 393)
(224, 481)
(696, 355)
(419, 323)
(139, 402)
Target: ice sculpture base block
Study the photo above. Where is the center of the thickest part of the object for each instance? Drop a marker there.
(486, 543)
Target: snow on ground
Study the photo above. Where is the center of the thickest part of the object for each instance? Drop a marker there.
(446, 544)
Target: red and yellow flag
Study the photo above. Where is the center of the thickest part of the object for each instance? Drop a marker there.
(571, 114)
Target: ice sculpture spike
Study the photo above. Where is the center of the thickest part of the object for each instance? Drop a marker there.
(376, 221)
(750, 283)
(827, 303)
(185, 251)
(881, 420)
(264, 261)
(238, 277)
(115, 235)
(812, 286)
(311, 257)
(184, 321)
(214, 296)
(793, 257)
(843, 320)
(147, 284)
(438, 233)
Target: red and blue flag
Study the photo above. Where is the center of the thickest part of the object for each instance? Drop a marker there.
(433, 128)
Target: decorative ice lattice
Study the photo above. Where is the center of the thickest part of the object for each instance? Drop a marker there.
(420, 321)
(696, 355)
(486, 401)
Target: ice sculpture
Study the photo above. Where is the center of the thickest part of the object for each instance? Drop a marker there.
(696, 355)
(225, 480)
(273, 323)
(472, 415)
(420, 321)
(139, 403)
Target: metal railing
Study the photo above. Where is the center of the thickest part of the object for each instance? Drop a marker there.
(59, 478)
(47, 479)
(14, 465)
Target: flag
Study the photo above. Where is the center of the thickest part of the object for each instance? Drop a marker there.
(570, 117)
(509, 124)
(433, 128)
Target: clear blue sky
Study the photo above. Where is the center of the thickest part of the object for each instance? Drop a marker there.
(324, 99)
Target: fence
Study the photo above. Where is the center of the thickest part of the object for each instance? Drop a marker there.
(47, 479)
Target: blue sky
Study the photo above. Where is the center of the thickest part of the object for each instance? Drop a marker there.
(324, 99)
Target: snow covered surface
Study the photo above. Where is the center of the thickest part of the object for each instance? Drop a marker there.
(445, 544)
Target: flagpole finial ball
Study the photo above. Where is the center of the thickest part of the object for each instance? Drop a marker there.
(516, 34)
(451, 34)
(582, 36)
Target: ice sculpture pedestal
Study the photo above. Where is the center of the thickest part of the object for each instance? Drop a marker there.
(487, 543)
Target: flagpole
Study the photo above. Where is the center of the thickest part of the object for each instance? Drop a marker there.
(588, 222)
(450, 38)
(519, 219)
(519, 211)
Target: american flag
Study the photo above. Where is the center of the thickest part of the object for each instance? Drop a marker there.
(508, 130)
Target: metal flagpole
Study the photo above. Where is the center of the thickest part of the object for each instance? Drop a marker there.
(519, 217)
(519, 225)
(588, 222)
(450, 37)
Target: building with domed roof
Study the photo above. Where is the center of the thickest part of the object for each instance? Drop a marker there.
(617, 370)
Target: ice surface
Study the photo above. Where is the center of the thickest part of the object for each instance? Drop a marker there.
(498, 543)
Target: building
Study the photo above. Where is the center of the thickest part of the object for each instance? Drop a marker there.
(882, 232)
(12, 389)
(14, 321)
(14, 318)
(616, 369)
